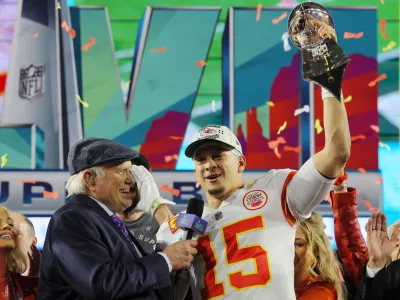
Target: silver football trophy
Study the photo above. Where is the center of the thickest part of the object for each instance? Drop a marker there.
(324, 62)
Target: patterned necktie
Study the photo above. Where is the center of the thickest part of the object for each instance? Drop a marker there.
(124, 231)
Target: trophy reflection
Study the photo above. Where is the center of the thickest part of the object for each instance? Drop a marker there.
(311, 27)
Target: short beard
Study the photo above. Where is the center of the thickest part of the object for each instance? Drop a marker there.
(217, 192)
(135, 201)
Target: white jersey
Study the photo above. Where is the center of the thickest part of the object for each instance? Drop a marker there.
(248, 249)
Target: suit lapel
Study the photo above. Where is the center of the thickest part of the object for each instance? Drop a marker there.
(93, 206)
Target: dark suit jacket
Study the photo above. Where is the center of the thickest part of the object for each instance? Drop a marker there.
(384, 286)
(86, 256)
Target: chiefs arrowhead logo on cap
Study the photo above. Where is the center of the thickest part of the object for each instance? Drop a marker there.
(172, 224)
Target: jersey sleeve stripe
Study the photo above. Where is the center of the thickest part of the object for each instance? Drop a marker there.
(290, 218)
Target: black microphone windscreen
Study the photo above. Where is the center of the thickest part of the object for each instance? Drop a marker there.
(195, 207)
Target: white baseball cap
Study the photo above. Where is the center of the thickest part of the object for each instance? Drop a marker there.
(215, 134)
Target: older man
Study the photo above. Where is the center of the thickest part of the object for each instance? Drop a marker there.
(27, 242)
(88, 252)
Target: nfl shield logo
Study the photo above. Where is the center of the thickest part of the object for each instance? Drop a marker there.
(218, 215)
(31, 82)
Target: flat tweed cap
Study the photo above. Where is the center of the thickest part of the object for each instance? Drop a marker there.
(91, 152)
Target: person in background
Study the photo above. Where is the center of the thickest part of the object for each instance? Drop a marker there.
(352, 248)
(316, 268)
(13, 263)
(27, 242)
(380, 278)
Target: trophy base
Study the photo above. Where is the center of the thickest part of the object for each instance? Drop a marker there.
(332, 80)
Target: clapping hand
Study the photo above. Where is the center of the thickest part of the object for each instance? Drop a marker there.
(379, 246)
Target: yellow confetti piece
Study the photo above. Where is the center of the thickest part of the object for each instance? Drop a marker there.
(270, 104)
(384, 145)
(348, 99)
(58, 5)
(282, 128)
(390, 46)
(3, 160)
(126, 85)
(85, 104)
(318, 126)
(248, 182)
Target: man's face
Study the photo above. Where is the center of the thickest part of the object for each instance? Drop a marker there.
(217, 169)
(116, 188)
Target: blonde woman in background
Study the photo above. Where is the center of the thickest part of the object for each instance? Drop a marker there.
(316, 268)
(13, 286)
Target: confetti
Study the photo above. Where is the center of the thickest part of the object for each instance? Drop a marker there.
(390, 46)
(358, 137)
(280, 18)
(169, 158)
(275, 143)
(197, 185)
(248, 182)
(384, 145)
(348, 99)
(374, 128)
(3, 160)
(85, 104)
(175, 138)
(380, 78)
(168, 189)
(379, 180)
(71, 31)
(276, 151)
(282, 128)
(53, 195)
(161, 50)
(35, 35)
(318, 126)
(89, 44)
(299, 111)
(285, 40)
(126, 85)
(200, 63)
(382, 1)
(58, 5)
(213, 105)
(258, 12)
(294, 149)
(382, 24)
(362, 170)
(369, 205)
(350, 35)
(27, 181)
(270, 104)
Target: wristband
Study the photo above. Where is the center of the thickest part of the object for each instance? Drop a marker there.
(338, 187)
(156, 203)
(327, 94)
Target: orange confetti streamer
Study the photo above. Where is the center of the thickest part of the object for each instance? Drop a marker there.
(35, 35)
(362, 170)
(374, 128)
(174, 192)
(358, 137)
(379, 180)
(89, 44)
(27, 181)
(258, 12)
(369, 205)
(169, 158)
(200, 63)
(175, 138)
(380, 78)
(275, 143)
(280, 18)
(161, 50)
(350, 35)
(53, 195)
(68, 29)
(382, 26)
(276, 151)
(294, 149)
(197, 185)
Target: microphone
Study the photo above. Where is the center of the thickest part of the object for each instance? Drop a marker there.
(192, 222)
